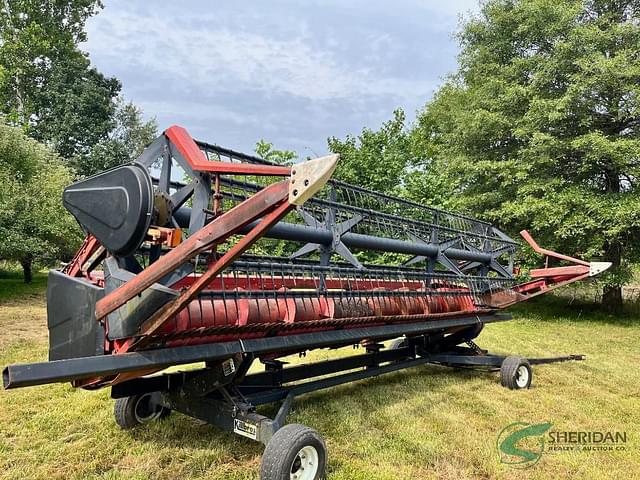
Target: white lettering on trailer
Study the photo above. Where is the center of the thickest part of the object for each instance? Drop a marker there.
(245, 429)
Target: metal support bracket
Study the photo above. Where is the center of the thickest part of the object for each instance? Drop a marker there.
(441, 256)
(337, 230)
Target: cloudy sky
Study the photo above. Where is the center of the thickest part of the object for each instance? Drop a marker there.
(293, 73)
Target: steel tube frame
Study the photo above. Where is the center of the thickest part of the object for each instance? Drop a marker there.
(262, 398)
(24, 375)
(231, 403)
(462, 360)
(303, 233)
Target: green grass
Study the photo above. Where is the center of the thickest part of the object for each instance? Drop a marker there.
(12, 286)
(426, 422)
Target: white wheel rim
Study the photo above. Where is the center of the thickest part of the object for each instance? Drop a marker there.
(522, 376)
(305, 464)
(143, 412)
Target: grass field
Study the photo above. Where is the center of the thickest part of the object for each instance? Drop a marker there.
(426, 422)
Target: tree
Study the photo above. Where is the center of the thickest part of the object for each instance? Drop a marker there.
(268, 152)
(47, 85)
(539, 128)
(34, 226)
(376, 159)
(123, 144)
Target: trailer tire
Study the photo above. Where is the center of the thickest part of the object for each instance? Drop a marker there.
(294, 452)
(134, 410)
(515, 373)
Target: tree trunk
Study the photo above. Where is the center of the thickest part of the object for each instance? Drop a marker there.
(26, 263)
(612, 294)
(612, 298)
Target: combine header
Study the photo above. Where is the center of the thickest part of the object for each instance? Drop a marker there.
(243, 261)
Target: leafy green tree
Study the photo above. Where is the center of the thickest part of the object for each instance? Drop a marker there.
(34, 226)
(47, 85)
(376, 159)
(266, 150)
(539, 128)
(123, 144)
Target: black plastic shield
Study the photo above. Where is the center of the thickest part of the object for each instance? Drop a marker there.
(73, 329)
(114, 206)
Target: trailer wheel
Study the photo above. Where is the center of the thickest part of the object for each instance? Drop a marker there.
(515, 373)
(295, 452)
(137, 409)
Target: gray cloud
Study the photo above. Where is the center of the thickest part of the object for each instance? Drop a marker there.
(291, 73)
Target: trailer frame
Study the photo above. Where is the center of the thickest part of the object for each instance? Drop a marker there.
(225, 395)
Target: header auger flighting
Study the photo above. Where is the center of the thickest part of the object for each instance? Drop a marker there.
(243, 260)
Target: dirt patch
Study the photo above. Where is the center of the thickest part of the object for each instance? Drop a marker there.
(23, 320)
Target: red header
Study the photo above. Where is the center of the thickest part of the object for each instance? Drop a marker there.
(181, 139)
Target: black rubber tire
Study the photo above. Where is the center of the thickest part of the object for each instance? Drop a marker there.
(283, 448)
(509, 372)
(124, 412)
(164, 413)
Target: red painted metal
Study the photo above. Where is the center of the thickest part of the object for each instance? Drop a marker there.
(531, 286)
(197, 160)
(531, 289)
(409, 305)
(206, 312)
(550, 253)
(382, 305)
(89, 248)
(305, 309)
(229, 282)
(570, 271)
(164, 314)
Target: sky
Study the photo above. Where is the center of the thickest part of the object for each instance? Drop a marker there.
(291, 73)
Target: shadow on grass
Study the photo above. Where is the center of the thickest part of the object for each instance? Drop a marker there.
(183, 430)
(328, 410)
(557, 308)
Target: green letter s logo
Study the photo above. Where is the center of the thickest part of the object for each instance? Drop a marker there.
(511, 453)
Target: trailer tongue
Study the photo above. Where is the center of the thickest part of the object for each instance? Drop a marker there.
(245, 261)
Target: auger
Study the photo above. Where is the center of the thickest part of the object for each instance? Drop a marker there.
(197, 253)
